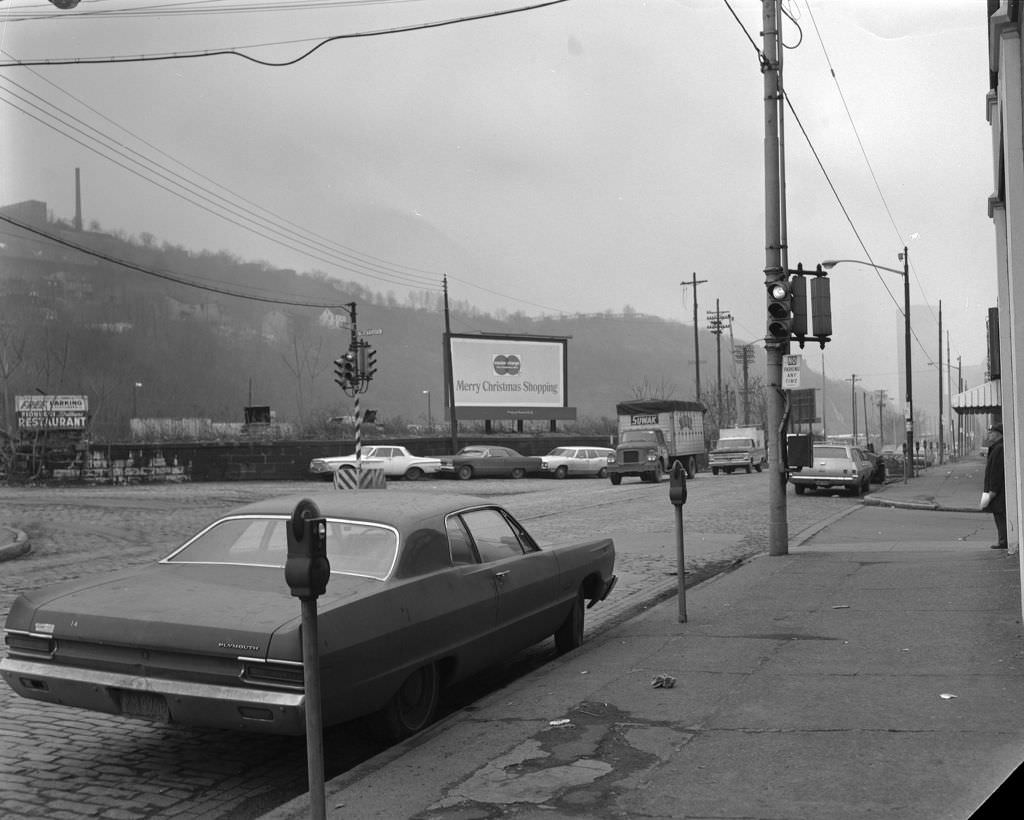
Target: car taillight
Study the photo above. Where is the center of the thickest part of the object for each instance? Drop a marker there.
(26, 643)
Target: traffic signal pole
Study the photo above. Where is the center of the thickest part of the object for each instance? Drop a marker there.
(778, 530)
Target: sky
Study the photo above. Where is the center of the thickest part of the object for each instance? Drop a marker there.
(580, 157)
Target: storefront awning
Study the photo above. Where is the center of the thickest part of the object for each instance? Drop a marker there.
(985, 398)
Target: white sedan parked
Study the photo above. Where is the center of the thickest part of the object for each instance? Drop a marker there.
(395, 461)
(567, 461)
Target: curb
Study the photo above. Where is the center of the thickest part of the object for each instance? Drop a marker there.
(16, 547)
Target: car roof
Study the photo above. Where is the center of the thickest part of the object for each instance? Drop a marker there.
(399, 510)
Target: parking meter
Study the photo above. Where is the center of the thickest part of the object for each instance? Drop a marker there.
(307, 569)
(677, 485)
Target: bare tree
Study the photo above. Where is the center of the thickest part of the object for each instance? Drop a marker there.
(646, 389)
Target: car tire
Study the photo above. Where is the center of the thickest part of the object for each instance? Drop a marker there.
(856, 490)
(562, 472)
(691, 467)
(569, 635)
(464, 473)
(759, 466)
(616, 479)
(602, 473)
(519, 472)
(659, 473)
(413, 707)
(799, 489)
(714, 471)
(413, 474)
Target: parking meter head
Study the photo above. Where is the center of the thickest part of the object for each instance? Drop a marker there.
(307, 570)
(677, 485)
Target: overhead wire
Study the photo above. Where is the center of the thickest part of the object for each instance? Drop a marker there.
(321, 42)
(165, 275)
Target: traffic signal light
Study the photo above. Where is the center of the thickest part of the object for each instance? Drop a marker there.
(345, 373)
(821, 307)
(780, 310)
(798, 287)
(367, 361)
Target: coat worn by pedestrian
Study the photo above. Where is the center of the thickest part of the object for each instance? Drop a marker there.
(994, 480)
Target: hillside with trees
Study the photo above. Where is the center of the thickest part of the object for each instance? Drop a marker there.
(139, 342)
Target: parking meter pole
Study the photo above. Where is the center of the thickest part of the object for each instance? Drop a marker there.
(681, 563)
(306, 572)
(314, 710)
(677, 495)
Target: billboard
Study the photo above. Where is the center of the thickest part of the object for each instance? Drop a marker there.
(51, 412)
(509, 376)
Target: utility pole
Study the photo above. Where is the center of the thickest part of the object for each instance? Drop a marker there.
(949, 392)
(696, 328)
(774, 273)
(941, 436)
(867, 435)
(854, 378)
(718, 320)
(881, 427)
(745, 356)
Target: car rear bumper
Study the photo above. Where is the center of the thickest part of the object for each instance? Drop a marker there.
(826, 481)
(158, 699)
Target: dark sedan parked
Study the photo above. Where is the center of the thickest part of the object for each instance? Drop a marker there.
(421, 593)
(480, 460)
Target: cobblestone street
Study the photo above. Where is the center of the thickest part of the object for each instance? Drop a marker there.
(65, 763)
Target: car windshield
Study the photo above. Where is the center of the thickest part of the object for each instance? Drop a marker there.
(353, 547)
(830, 452)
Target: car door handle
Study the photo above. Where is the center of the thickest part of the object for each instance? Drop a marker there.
(499, 577)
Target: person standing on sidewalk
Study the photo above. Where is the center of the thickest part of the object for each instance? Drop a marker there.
(993, 498)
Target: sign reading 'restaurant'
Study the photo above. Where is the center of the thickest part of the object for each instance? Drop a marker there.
(509, 372)
(51, 412)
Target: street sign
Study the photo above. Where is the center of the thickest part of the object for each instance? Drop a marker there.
(375, 331)
(791, 371)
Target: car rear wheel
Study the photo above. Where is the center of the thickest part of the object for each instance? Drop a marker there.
(413, 474)
(602, 473)
(691, 467)
(569, 635)
(413, 706)
(799, 489)
(714, 471)
(518, 472)
(465, 472)
(562, 472)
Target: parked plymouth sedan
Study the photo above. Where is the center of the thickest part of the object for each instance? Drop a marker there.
(479, 460)
(835, 466)
(566, 461)
(420, 594)
(395, 461)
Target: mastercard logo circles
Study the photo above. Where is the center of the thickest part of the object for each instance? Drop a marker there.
(507, 365)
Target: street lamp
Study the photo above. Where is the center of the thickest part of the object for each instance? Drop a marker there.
(908, 461)
(430, 416)
(135, 399)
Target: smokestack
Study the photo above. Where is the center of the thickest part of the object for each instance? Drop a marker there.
(78, 199)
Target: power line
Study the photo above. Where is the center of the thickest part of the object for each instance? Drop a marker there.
(165, 275)
(235, 51)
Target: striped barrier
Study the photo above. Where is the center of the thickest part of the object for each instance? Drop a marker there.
(371, 478)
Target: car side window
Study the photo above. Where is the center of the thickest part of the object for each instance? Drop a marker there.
(494, 537)
(459, 542)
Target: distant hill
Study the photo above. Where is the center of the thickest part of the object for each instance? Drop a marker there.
(140, 342)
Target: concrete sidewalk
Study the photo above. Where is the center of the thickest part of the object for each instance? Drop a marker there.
(879, 678)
